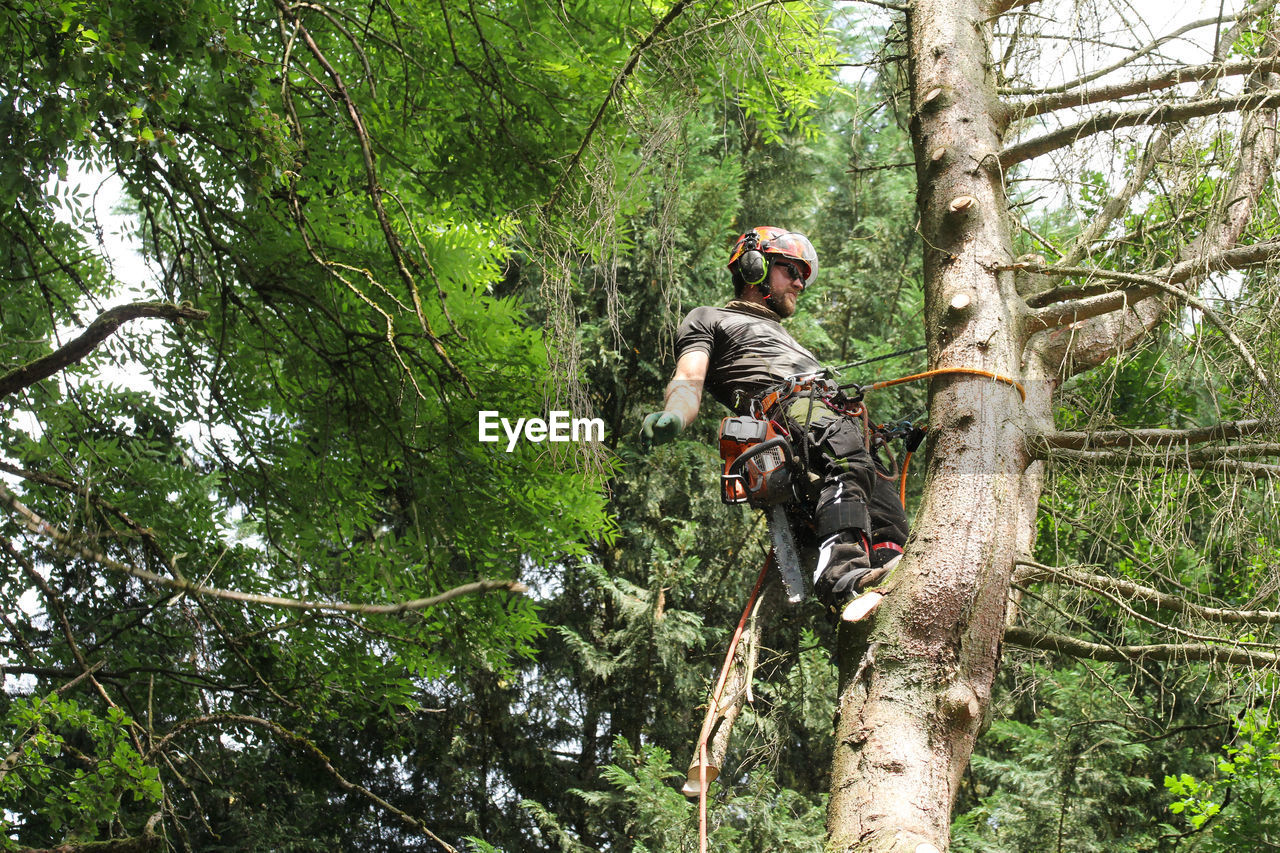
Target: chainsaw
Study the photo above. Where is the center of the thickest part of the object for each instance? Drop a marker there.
(761, 470)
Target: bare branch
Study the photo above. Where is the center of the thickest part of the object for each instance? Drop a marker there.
(1155, 150)
(66, 543)
(1221, 459)
(1166, 652)
(1162, 114)
(1038, 573)
(1053, 316)
(1141, 52)
(1148, 437)
(98, 331)
(1189, 74)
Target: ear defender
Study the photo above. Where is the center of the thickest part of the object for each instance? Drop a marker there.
(754, 268)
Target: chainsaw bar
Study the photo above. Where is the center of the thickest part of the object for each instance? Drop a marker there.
(785, 553)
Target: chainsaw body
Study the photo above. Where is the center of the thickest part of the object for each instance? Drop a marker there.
(759, 465)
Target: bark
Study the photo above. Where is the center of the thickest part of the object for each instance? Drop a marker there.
(914, 685)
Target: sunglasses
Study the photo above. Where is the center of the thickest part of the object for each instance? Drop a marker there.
(792, 270)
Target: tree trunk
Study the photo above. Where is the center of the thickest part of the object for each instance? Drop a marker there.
(916, 683)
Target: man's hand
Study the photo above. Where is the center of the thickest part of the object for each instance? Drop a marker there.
(660, 427)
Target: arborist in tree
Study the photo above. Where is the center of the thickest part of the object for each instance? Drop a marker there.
(834, 495)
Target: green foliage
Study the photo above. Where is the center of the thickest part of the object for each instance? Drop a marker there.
(1240, 809)
(85, 765)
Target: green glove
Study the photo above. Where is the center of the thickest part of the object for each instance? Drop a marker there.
(661, 427)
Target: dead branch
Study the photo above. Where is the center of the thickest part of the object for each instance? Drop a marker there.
(1047, 442)
(1031, 572)
(1052, 316)
(1151, 156)
(1207, 72)
(1198, 460)
(1116, 120)
(1097, 74)
(98, 331)
(1027, 638)
(67, 544)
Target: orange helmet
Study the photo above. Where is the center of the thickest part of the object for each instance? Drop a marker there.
(756, 250)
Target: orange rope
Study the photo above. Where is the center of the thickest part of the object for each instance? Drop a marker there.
(715, 704)
(945, 370)
(902, 485)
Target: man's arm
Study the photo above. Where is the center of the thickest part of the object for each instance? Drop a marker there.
(682, 400)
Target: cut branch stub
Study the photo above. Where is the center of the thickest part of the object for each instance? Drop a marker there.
(962, 204)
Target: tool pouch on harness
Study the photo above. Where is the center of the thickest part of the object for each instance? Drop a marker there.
(759, 465)
(843, 515)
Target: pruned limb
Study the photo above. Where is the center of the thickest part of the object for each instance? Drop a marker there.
(1083, 97)
(1048, 442)
(98, 331)
(737, 688)
(1029, 572)
(1027, 638)
(66, 543)
(1163, 114)
(297, 740)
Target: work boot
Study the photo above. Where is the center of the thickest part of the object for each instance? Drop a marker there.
(872, 591)
(843, 567)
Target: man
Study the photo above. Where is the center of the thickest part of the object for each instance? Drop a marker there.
(741, 351)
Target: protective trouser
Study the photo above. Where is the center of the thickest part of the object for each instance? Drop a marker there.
(858, 520)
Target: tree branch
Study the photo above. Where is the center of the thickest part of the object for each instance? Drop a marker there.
(1249, 13)
(1047, 442)
(1163, 114)
(1166, 652)
(1175, 77)
(1198, 460)
(1054, 316)
(618, 82)
(1038, 573)
(98, 331)
(65, 543)
(307, 746)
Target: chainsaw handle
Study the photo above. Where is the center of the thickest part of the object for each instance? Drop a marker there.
(735, 469)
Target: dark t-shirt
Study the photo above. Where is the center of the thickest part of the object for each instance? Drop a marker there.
(749, 352)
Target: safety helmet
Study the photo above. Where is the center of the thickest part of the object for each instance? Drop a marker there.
(756, 251)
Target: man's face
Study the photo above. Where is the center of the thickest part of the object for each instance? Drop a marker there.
(786, 281)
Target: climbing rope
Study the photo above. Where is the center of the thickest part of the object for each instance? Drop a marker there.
(972, 371)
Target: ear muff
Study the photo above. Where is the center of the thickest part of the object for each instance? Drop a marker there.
(754, 269)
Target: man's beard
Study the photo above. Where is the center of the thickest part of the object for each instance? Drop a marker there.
(779, 305)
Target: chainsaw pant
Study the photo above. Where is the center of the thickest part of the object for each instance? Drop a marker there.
(858, 520)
